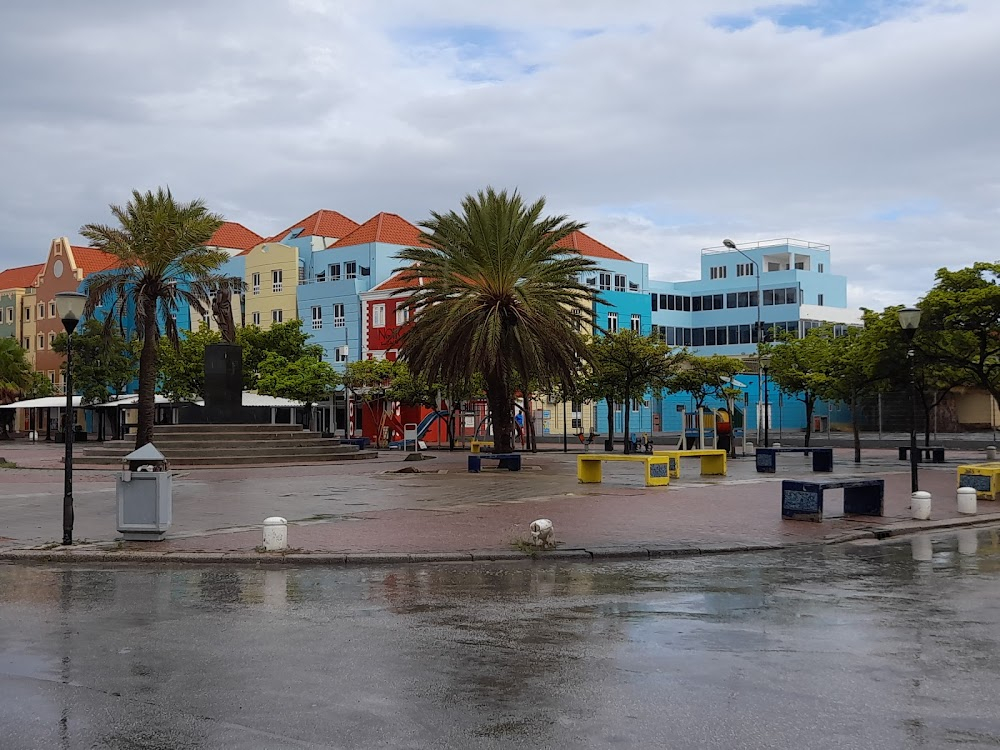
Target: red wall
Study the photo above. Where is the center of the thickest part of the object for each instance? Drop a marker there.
(380, 339)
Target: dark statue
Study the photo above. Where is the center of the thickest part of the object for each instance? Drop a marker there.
(222, 310)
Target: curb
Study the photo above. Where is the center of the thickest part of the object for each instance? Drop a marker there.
(602, 554)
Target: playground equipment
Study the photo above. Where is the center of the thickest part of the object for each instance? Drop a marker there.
(422, 428)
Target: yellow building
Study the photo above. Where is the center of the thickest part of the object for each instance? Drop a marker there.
(14, 285)
(272, 276)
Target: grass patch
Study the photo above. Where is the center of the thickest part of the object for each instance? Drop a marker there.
(7, 464)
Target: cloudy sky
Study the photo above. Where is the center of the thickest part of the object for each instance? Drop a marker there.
(666, 125)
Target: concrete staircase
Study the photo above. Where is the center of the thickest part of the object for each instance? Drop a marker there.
(192, 445)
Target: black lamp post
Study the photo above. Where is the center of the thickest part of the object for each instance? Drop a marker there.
(70, 306)
(909, 321)
(764, 363)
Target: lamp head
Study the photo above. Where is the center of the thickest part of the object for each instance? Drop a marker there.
(730, 244)
(69, 306)
(909, 321)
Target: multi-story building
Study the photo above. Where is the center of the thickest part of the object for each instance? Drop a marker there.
(13, 283)
(236, 240)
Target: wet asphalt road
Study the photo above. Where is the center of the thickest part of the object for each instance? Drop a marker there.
(841, 647)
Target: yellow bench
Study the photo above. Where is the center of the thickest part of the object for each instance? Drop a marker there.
(985, 478)
(713, 461)
(588, 467)
(477, 444)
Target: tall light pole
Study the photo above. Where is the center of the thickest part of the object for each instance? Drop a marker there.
(765, 362)
(909, 321)
(759, 329)
(69, 306)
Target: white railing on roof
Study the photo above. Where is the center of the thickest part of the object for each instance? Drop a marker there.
(779, 242)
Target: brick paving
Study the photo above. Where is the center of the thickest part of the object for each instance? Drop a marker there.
(357, 507)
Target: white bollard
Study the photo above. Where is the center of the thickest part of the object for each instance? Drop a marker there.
(991, 453)
(275, 534)
(920, 505)
(967, 500)
(968, 542)
(775, 445)
(921, 548)
(748, 447)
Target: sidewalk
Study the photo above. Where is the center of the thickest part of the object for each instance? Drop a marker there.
(364, 512)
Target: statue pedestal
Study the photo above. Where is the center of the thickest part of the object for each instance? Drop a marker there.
(223, 384)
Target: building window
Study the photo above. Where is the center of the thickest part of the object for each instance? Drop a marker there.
(340, 354)
(717, 272)
(320, 276)
(41, 310)
(744, 269)
(402, 315)
(620, 282)
(338, 315)
(277, 279)
(52, 309)
(604, 282)
(634, 405)
(317, 317)
(255, 318)
(612, 322)
(334, 272)
(27, 314)
(577, 319)
(26, 343)
(10, 314)
(637, 323)
(302, 273)
(378, 316)
(819, 299)
(41, 341)
(350, 270)
(820, 267)
(52, 377)
(255, 283)
(277, 316)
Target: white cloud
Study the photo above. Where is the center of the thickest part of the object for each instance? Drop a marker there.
(663, 132)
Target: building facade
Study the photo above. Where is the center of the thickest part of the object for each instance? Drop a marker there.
(13, 285)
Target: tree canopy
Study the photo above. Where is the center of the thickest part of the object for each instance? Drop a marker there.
(103, 361)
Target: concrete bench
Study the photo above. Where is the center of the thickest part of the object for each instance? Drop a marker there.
(476, 445)
(984, 478)
(713, 461)
(588, 467)
(767, 459)
(803, 500)
(509, 461)
(932, 453)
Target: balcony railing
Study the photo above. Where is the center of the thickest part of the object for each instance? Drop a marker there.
(780, 242)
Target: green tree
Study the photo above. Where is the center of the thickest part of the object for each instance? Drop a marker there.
(799, 367)
(704, 378)
(499, 298)
(15, 377)
(182, 367)
(103, 362)
(625, 366)
(287, 340)
(960, 324)
(161, 266)
(307, 379)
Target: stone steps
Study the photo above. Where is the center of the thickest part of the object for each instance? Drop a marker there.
(234, 461)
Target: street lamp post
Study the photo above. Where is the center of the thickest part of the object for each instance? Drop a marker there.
(765, 363)
(70, 306)
(909, 321)
(759, 330)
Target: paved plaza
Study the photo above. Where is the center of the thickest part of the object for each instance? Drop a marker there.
(370, 508)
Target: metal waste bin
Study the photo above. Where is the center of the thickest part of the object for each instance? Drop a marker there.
(144, 492)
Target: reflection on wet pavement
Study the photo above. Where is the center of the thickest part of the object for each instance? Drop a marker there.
(870, 645)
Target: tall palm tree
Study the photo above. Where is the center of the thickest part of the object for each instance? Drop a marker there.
(162, 266)
(15, 375)
(498, 298)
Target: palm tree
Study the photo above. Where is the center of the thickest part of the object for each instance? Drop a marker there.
(162, 266)
(498, 298)
(15, 375)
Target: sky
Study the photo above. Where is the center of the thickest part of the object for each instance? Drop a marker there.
(665, 125)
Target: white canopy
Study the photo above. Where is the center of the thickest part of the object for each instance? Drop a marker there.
(133, 399)
(259, 399)
(48, 402)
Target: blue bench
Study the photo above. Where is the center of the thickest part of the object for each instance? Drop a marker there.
(803, 500)
(509, 461)
(767, 458)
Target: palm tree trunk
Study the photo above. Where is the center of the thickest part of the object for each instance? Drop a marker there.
(147, 377)
(611, 424)
(810, 406)
(501, 413)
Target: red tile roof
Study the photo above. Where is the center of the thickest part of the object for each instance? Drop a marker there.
(21, 277)
(90, 260)
(398, 281)
(388, 228)
(323, 223)
(234, 236)
(587, 245)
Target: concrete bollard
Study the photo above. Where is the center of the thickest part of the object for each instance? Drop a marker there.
(748, 447)
(275, 534)
(967, 500)
(991, 453)
(921, 548)
(968, 542)
(920, 505)
(775, 445)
